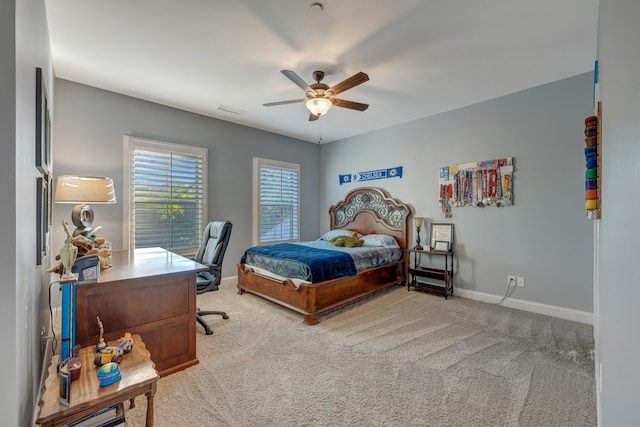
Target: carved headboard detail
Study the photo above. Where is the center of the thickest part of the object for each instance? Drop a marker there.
(368, 211)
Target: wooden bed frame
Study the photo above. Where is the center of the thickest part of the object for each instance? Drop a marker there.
(366, 210)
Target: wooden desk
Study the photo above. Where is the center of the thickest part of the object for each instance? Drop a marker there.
(87, 397)
(150, 292)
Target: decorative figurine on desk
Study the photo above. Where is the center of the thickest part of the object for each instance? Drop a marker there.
(68, 254)
(101, 344)
(103, 256)
(86, 251)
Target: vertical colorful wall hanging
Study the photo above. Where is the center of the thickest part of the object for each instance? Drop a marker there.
(592, 154)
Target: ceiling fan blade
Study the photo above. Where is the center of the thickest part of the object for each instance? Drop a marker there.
(352, 81)
(349, 104)
(291, 75)
(293, 101)
(313, 117)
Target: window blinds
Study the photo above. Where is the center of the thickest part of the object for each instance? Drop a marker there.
(167, 190)
(279, 203)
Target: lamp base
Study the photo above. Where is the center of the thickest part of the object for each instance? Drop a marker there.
(68, 276)
(417, 247)
(84, 231)
(82, 215)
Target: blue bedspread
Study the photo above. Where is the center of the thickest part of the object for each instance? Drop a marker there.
(317, 264)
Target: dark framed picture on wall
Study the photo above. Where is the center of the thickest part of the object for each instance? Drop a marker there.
(49, 183)
(43, 124)
(42, 217)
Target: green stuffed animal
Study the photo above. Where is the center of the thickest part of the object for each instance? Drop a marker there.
(347, 241)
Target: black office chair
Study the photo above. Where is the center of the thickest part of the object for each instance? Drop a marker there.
(215, 240)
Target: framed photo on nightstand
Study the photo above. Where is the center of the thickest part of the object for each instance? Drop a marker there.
(441, 237)
(441, 246)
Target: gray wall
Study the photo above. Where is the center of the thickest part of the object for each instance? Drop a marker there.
(90, 124)
(618, 292)
(24, 45)
(544, 237)
(9, 317)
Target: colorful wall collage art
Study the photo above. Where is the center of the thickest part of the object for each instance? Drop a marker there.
(592, 153)
(480, 184)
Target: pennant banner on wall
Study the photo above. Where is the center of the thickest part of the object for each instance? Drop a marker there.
(371, 175)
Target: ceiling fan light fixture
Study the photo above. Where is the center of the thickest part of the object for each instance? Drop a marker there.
(319, 106)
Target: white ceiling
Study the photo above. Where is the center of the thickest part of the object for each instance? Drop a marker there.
(422, 56)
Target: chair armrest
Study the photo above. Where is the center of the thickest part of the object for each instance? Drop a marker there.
(214, 268)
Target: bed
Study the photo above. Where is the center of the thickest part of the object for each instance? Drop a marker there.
(367, 211)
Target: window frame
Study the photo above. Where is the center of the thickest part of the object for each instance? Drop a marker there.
(131, 143)
(258, 162)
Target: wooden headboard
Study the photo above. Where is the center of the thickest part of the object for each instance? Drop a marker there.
(370, 211)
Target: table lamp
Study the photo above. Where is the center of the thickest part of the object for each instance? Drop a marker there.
(418, 222)
(82, 190)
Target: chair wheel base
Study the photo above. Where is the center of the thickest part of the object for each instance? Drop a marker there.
(207, 328)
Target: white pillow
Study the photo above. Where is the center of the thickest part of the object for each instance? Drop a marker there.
(335, 233)
(380, 240)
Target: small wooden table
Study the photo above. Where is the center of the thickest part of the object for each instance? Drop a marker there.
(139, 376)
(440, 280)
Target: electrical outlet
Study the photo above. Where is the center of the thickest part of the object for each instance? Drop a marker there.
(520, 282)
(511, 280)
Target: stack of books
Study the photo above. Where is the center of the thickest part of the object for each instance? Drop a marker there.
(108, 417)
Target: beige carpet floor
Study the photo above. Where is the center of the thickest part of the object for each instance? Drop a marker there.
(395, 359)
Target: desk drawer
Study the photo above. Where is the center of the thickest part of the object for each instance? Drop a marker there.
(126, 304)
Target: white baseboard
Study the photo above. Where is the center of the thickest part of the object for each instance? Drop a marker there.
(534, 307)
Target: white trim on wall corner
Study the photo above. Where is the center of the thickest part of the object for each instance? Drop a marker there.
(534, 307)
(48, 354)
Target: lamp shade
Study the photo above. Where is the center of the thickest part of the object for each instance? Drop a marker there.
(418, 221)
(84, 189)
(319, 106)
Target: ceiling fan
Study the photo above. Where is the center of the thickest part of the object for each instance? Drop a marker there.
(320, 96)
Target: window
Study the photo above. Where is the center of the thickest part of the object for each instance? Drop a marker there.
(166, 186)
(276, 195)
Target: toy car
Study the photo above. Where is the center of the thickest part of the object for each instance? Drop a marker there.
(114, 353)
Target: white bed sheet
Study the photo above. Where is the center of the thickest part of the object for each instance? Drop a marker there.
(261, 271)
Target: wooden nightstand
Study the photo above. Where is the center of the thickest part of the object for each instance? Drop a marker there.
(436, 280)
